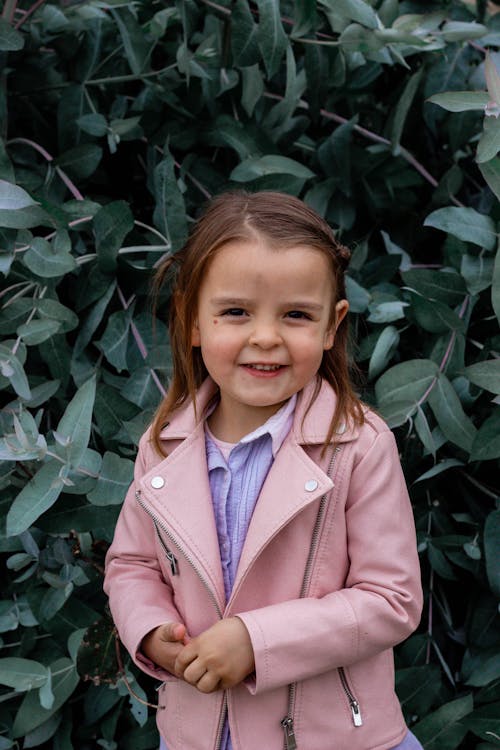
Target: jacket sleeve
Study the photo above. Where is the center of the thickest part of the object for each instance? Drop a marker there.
(381, 602)
(140, 598)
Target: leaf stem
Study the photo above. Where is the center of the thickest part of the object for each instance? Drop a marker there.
(29, 13)
(8, 10)
(64, 177)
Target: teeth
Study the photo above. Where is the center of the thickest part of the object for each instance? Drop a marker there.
(266, 368)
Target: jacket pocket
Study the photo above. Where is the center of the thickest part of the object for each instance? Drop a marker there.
(351, 698)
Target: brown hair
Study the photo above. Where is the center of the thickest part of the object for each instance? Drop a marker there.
(283, 221)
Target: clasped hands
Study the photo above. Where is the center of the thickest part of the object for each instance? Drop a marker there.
(217, 659)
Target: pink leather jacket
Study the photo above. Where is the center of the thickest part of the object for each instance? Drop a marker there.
(327, 584)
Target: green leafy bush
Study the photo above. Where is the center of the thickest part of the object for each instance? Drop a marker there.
(118, 121)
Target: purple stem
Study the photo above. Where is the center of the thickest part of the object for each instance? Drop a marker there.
(140, 341)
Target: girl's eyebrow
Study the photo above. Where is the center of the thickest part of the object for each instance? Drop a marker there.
(244, 302)
(230, 301)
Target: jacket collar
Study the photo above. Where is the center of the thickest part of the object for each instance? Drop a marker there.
(310, 425)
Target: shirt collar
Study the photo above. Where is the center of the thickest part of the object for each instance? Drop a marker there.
(277, 427)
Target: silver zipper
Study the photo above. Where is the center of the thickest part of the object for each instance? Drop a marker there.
(222, 720)
(355, 710)
(169, 555)
(159, 523)
(287, 722)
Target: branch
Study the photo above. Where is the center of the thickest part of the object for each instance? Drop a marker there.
(29, 13)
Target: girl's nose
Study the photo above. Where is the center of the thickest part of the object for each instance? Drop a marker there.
(265, 335)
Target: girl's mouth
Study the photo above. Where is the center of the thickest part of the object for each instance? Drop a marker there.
(265, 368)
(262, 369)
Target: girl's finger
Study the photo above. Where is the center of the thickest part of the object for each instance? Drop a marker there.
(208, 683)
(194, 672)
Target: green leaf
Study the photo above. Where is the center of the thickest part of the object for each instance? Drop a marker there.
(357, 296)
(453, 421)
(114, 342)
(485, 722)
(477, 272)
(386, 311)
(37, 331)
(447, 463)
(386, 344)
(495, 286)
(31, 714)
(93, 320)
(250, 169)
(354, 10)
(465, 223)
(112, 223)
(460, 101)
(489, 143)
(458, 31)
(441, 730)
(45, 693)
(436, 318)
(93, 124)
(13, 197)
(491, 173)
(82, 161)
(487, 671)
(170, 212)
(491, 547)
(423, 431)
(47, 259)
(53, 600)
(35, 498)
(114, 480)
(485, 374)
(253, 87)
(271, 38)
(11, 368)
(141, 389)
(76, 422)
(443, 286)
(244, 36)
(22, 674)
(400, 388)
(137, 49)
(402, 109)
(486, 445)
(11, 40)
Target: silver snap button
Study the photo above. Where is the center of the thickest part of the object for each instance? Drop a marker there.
(157, 483)
(310, 485)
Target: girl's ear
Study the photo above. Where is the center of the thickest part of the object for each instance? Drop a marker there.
(195, 334)
(341, 309)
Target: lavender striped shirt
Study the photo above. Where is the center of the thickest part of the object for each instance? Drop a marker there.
(236, 474)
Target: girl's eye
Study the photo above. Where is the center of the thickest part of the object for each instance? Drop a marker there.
(298, 315)
(235, 312)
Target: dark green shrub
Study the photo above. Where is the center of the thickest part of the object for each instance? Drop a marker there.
(118, 121)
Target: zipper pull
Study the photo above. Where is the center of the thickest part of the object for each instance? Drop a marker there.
(356, 714)
(173, 563)
(290, 741)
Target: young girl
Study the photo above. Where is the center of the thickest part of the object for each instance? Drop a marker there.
(264, 563)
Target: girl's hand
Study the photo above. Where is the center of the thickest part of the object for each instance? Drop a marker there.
(163, 644)
(219, 658)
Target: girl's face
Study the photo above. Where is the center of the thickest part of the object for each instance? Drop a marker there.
(263, 323)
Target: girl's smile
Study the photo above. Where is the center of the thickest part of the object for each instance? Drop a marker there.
(264, 319)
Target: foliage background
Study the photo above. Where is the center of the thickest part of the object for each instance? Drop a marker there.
(118, 120)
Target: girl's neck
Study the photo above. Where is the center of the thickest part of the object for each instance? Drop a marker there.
(230, 425)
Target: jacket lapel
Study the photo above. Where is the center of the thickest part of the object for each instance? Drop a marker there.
(294, 481)
(183, 502)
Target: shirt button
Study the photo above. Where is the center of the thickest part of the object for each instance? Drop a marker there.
(157, 483)
(310, 485)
